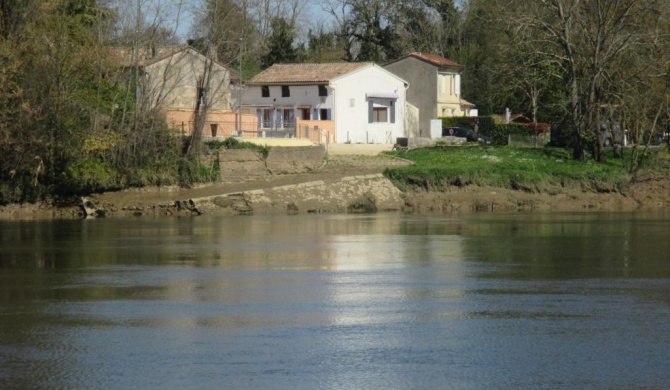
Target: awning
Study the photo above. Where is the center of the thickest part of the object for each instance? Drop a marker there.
(381, 95)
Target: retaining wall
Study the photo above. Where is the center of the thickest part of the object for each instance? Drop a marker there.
(239, 165)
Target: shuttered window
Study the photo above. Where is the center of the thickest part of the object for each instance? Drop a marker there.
(381, 112)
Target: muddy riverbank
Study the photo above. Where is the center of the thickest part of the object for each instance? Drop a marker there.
(349, 183)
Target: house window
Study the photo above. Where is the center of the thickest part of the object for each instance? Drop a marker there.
(268, 118)
(285, 91)
(323, 91)
(265, 91)
(288, 117)
(380, 114)
(381, 111)
(324, 114)
(306, 113)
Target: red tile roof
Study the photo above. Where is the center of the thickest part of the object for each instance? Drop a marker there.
(305, 73)
(433, 59)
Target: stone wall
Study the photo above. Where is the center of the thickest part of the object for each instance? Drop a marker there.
(238, 165)
(295, 159)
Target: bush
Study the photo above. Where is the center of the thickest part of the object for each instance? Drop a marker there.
(234, 143)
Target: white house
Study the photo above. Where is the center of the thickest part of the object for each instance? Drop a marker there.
(349, 102)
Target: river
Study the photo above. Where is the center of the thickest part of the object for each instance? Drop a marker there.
(383, 301)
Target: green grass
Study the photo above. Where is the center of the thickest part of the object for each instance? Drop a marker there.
(438, 167)
(233, 143)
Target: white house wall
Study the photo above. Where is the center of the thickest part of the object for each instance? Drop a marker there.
(351, 106)
(301, 95)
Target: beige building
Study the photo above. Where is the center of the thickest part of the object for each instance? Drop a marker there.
(177, 79)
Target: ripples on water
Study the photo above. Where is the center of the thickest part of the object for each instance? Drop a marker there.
(337, 302)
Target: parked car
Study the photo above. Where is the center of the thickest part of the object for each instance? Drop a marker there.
(468, 134)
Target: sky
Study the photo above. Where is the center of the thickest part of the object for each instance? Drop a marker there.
(181, 14)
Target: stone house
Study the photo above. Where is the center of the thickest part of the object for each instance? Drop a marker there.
(172, 79)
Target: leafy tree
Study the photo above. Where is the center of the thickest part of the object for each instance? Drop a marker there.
(63, 130)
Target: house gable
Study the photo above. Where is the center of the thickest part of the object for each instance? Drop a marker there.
(443, 64)
(175, 81)
(373, 66)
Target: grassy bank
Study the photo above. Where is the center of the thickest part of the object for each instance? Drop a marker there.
(439, 167)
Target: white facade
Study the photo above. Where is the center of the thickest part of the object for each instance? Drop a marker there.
(369, 106)
(366, 105)
(276, 110)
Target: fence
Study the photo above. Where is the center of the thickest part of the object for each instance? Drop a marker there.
(227, 129)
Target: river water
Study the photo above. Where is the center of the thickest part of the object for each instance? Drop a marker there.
(385, 301)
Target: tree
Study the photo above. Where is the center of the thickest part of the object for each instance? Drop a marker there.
(323, 46)
(586, 38)
(367, 29)
(484, 46)
(50, 84)
(14, 14)
(280, 44)
(68, 119)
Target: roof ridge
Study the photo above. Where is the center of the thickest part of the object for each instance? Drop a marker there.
(304, 73)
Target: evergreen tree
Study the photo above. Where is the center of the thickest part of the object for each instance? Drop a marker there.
(280, 45)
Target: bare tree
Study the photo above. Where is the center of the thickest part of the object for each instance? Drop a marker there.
(262, 12)
(586, 38)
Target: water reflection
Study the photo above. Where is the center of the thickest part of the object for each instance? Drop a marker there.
(382, 301)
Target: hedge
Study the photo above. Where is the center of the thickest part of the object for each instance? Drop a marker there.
(486, 126)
